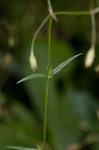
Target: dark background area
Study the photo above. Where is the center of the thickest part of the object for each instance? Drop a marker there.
(73, 116)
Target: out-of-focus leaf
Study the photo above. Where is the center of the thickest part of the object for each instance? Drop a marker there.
(62, 65)
(20, 148)
(37, 75)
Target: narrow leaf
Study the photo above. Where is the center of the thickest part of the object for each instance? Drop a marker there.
(37, 75)
(62, 65)
(20, 148)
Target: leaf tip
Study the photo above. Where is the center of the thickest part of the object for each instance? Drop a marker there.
(18, 82)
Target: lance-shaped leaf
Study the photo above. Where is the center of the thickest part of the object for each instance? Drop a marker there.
(20, 148)
(37, 75)
(62, 65)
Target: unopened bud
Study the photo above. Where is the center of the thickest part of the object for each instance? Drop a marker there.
(90, 56)
(33, 62)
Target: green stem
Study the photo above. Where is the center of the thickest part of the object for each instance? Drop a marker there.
(72, 13)
(49, 42)
(38, 30)
(49, 3)
(93, 24)
(47, 84)
(45, 114)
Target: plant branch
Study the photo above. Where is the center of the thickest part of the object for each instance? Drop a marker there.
(49, 41)
(72, 13)
(38, 30)
(49, 3)
(93, 24)
(47, 83)
(45, 114)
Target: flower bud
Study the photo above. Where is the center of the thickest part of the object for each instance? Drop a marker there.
(33, 62)
(90, 56)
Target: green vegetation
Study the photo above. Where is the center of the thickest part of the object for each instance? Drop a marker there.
(68, 118)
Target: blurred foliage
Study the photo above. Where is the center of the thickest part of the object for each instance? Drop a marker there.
(73, 116)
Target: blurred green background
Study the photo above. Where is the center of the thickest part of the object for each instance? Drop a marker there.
(73, 115)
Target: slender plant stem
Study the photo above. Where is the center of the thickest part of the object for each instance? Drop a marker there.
(38, 30)
(93, 26)
(45, 114)
(72, 13)
(49, 3)
(49, 42)
(47, 83)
